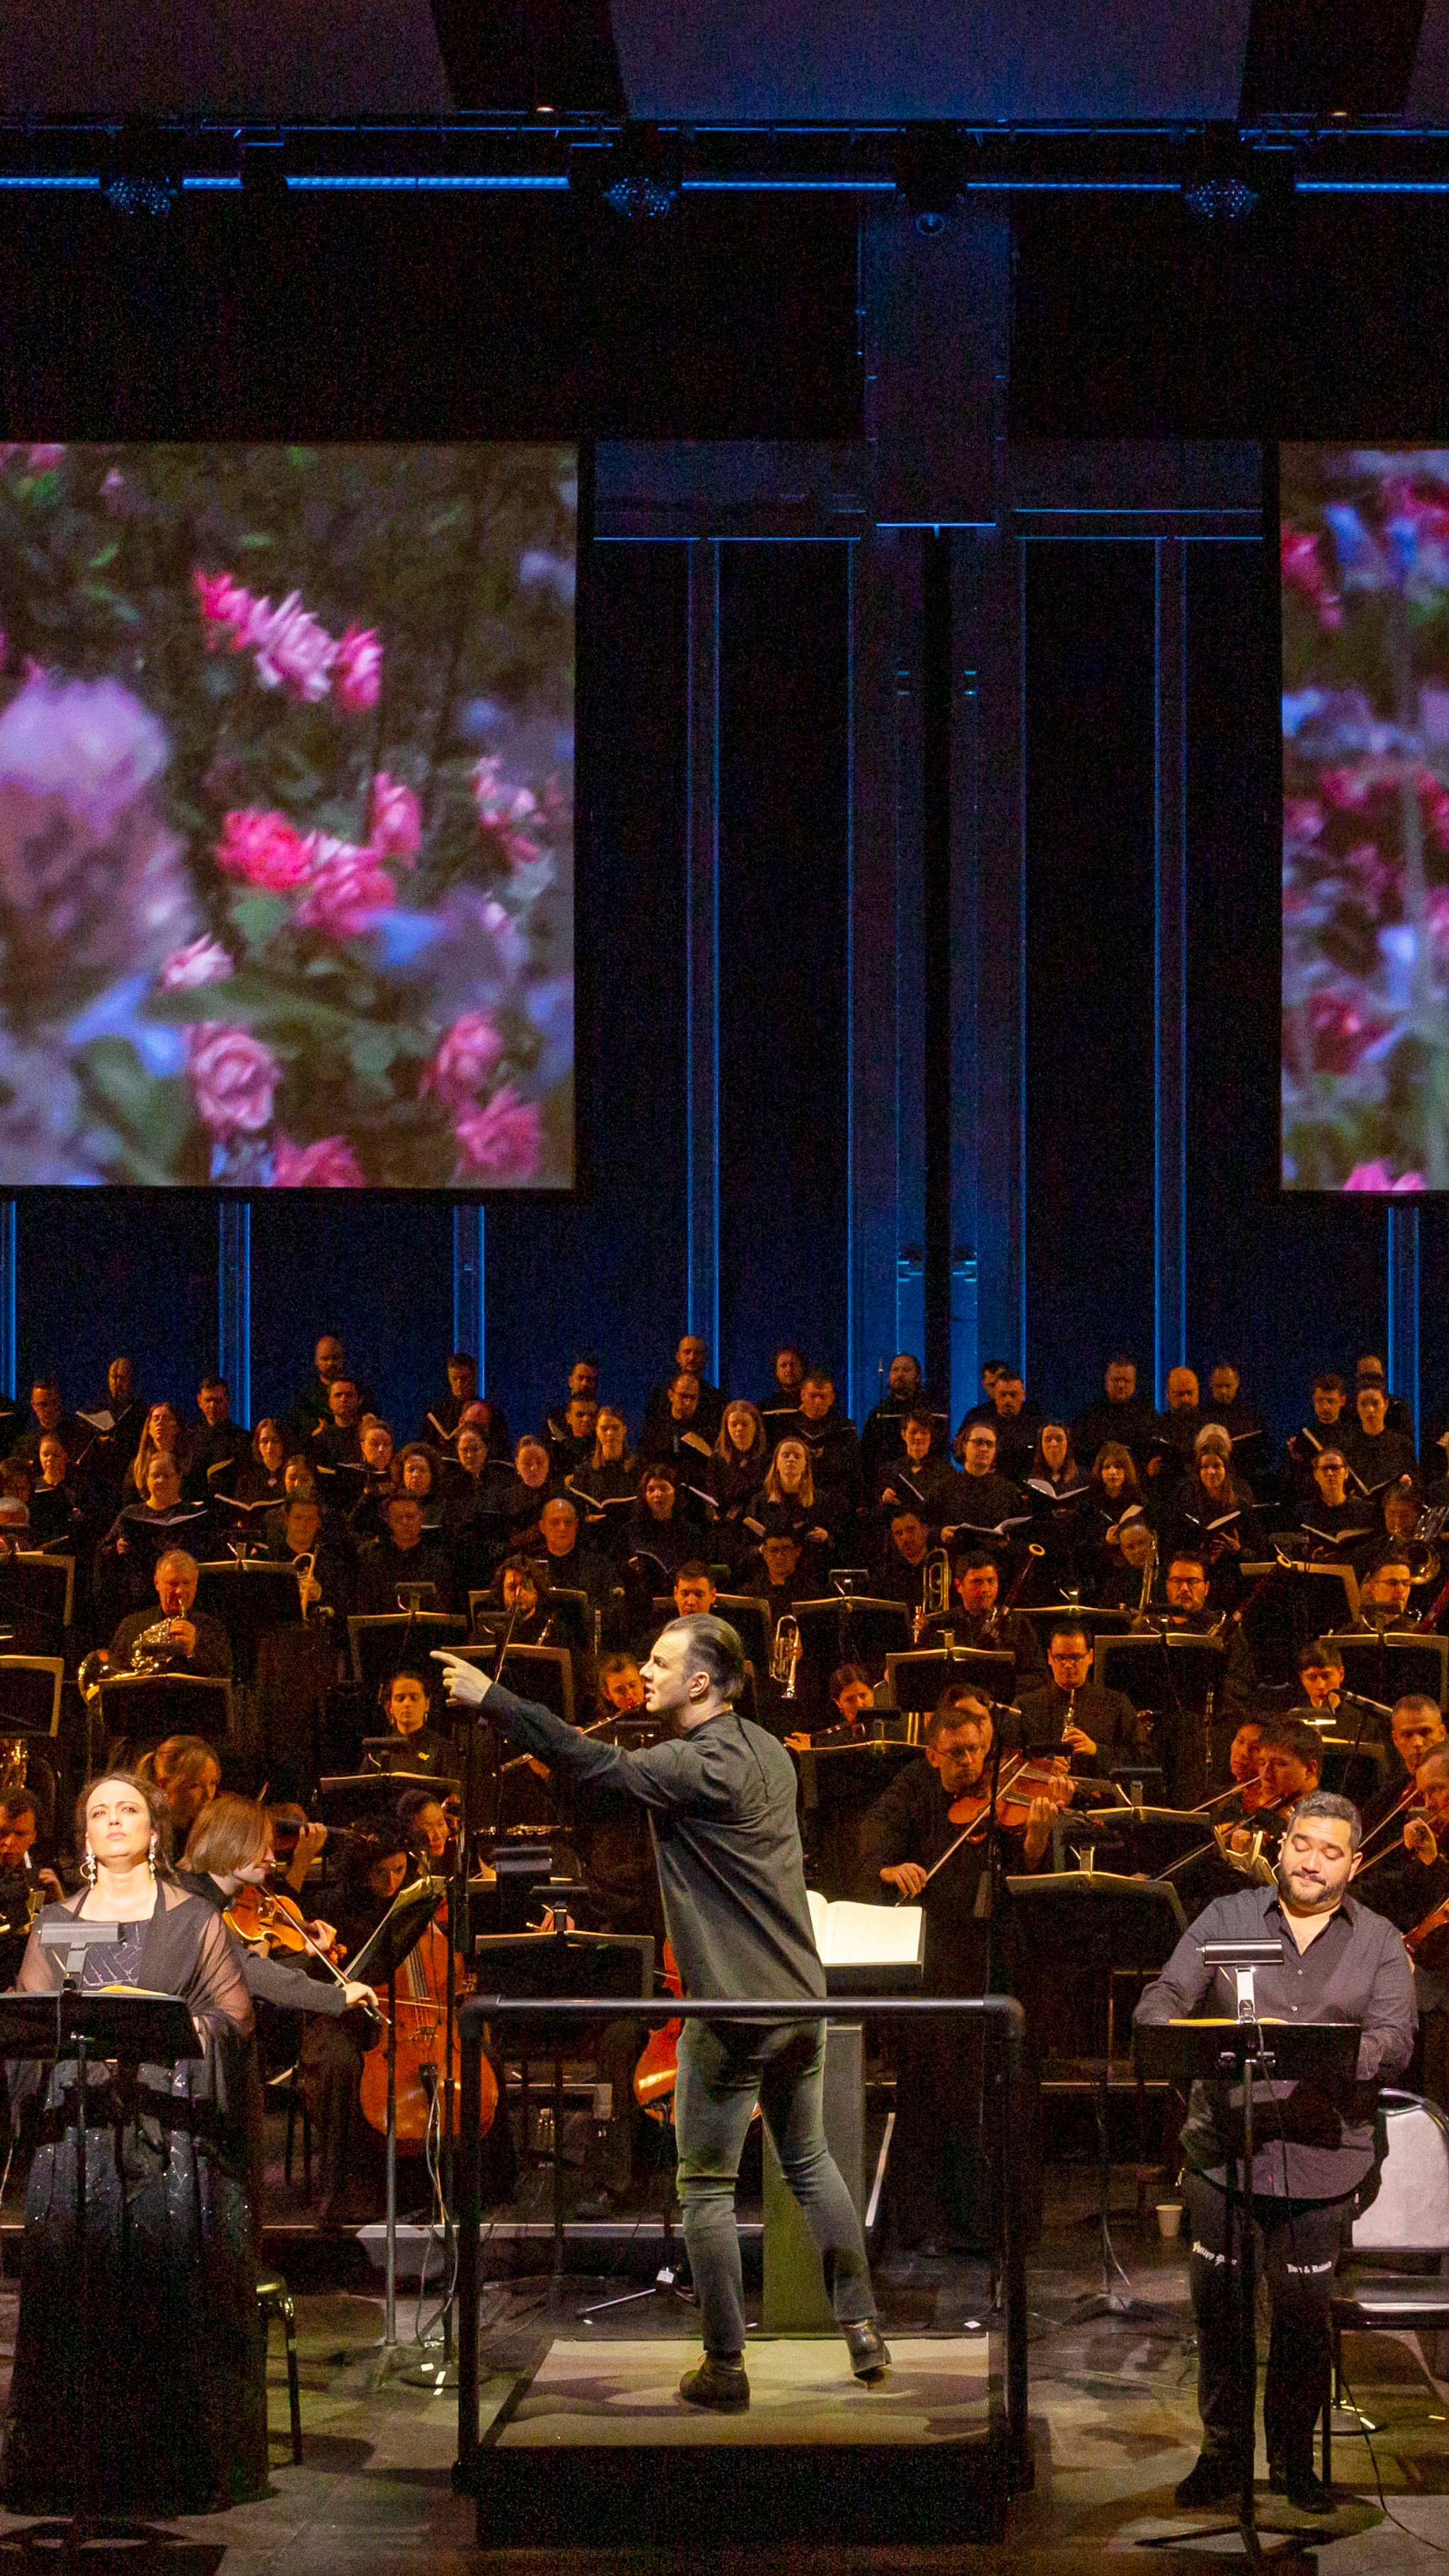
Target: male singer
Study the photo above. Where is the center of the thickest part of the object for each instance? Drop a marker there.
(721, 1799)
(1310, 2152)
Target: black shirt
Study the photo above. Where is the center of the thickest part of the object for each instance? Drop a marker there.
(1306, 2147)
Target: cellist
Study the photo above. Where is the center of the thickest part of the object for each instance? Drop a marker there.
(941, 2156)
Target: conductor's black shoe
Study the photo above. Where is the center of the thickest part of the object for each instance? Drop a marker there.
(1211, 2480)
(1302, 2488)
(869, 2357)
(720, 2384)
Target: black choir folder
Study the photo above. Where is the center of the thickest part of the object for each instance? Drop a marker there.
(868, 1949)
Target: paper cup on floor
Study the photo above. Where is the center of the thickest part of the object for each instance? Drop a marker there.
(1169, 2218)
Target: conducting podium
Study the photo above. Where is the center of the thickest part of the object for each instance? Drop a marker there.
(866, 1950)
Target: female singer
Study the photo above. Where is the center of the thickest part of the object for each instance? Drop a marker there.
(735, 1472)
(253, 1484)
(169, 2335)
(1061, 1506)
(1116, 1502)
(608, 1486)
(788, 1506)
(164, 1435)
(1213, 1513)
(415, 1472)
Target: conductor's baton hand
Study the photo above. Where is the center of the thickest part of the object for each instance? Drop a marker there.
(467, 1686)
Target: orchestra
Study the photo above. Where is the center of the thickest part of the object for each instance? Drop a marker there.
(1024, 1545)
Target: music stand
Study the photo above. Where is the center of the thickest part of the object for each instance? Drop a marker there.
(837, 1785)
(560, 1963)
(390, 1755)
(248, 1595)
(1388, 1666)
(30, 1694)
(854, 1628)
(1108, 1923)
(542, 1673)
(1215, 2052)
(377, 1639)
(916, 1679)
(142, 1708)
(1076, 1614)
(1178, 1674)
(45, 1584)
(750, 1620)
(134, 2029)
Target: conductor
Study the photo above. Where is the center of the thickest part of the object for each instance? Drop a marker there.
(720, 1795)
(1311, 2153)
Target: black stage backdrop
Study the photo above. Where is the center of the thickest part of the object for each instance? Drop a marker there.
(355, 318)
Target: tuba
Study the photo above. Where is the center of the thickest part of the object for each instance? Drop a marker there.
(785, 1654)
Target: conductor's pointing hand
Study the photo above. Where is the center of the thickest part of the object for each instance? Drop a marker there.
(466, 1684)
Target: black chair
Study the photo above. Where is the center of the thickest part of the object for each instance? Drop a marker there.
(275, 2300)
(1408, 2216)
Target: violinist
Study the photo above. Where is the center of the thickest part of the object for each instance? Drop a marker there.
(1290, 1765)
(941, 2168)
(1099, 1726)
(424, 1820)
(1415, 1728)
(1251, 1796)
(979, 1618)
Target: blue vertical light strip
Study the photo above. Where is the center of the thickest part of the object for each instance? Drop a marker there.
(854, 1379)
(234, 1303)
(470, 1304)
(702, 947)
(9, 1353)
(1402, 1352)
(1018, 1192)
(1169, 1048)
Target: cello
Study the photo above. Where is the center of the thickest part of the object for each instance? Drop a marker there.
(658, 2064)
(424, 2061)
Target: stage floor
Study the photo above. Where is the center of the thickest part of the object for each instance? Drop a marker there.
(588, 2394)
(1111, 2401)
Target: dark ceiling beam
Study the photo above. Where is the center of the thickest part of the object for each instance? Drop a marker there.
(1343, 58)
(520, 55)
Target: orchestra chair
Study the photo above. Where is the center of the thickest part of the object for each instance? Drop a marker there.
(1408, 2216)
(275, 2300)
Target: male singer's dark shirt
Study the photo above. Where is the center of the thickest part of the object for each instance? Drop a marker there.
(1307, 2146)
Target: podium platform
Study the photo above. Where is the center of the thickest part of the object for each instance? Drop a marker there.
(595, 2440)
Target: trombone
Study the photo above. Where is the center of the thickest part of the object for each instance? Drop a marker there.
(785, 1654)
(935, 1592)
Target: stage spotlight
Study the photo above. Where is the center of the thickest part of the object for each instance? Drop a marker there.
(140, 176)
(929, 165)
(641, 180)
(1227, 200)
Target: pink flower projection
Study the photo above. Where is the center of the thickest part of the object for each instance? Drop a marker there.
(202, 961)
(264, 850)
(345, 889)
(330, 1164)
(469, 1051)
(233, 1078)
(395, 827)
(502, 1141)
(1377, 1176)
(503, 810)
(292, 649)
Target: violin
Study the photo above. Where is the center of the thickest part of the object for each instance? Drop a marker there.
(1428, 1943)
(270, 1922)
(1040, 1779)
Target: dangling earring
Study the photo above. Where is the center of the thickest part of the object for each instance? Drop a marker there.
(88, 1867)
(151, 1856)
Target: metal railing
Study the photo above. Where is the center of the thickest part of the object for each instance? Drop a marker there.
(1003, 2030)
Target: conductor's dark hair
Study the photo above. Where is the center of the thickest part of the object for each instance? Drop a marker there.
(715, 1649)
(1327, 1802)
(1293, 1735)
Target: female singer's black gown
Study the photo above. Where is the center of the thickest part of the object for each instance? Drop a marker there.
(169, 2335)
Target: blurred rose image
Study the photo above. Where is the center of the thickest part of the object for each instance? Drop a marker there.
(286, 847)
(1364, 570)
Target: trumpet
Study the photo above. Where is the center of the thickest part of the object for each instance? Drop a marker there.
(935, 1592)
(785, 1654)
